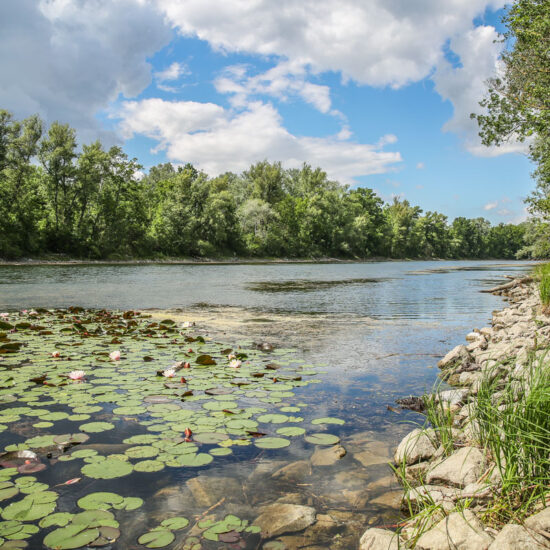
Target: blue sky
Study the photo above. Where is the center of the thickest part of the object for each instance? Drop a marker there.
(376, 92)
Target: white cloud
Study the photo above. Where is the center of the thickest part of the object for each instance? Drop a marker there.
(282, 81)
(68, 59)
(420, 166)
(374, 42)
(490, 206)
(173, 72)
(465, 85)
(218, 140)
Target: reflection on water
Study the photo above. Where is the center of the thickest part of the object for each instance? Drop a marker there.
(373, 343)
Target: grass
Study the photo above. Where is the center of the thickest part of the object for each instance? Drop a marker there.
(542, 273)
(513, 423)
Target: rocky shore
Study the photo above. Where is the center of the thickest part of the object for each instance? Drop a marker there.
(457, 481)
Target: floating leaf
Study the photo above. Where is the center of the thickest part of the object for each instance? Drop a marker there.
(328, 420)
(174, 524)
(96, 427)
(272, 443)
(70, 537)
(156, 539)
(322, 439)
(205, 360)
(107, 469)
(291, 431)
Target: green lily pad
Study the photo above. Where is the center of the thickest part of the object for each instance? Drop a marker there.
(174, 524)
(141, 452)
(322, 439)
(107, 469)
(100, 501)
(328, 420)
(96, 427)
(271, 443)
(70, 537)
(148, 466)
(157, 539)
(291, 431)
(59, 519)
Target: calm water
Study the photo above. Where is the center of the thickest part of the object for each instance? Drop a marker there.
(376, 329)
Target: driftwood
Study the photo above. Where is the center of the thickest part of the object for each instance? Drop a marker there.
(508, 286)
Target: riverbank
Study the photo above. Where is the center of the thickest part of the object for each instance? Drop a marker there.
(477, 476)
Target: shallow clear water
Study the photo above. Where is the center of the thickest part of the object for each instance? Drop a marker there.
(375, 329)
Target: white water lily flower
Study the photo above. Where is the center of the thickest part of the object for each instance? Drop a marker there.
(114, 356)
(169, 373)
(231, 356)
(4, 315)
(235, 364)
(77, 375)
(56, 353)
(187, 324)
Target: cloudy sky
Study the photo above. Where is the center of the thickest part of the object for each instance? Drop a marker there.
(376, 92)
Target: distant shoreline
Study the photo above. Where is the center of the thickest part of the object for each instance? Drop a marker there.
(230, 261)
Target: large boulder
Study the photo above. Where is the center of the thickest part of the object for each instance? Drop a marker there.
(416, 446)
(380, 539)
(457, 355)
(463, 467)
(540, 521)
(277, 519)
(516, 537)
(458, 531)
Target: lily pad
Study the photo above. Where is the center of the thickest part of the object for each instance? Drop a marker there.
(271, 443)
(107, 469)
(328, 420)
(96, 427)
(156, 539)
(174, 524)
(70, 537)
(322, 439)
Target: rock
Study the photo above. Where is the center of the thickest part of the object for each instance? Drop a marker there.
(295, 471)
(388, 482)
(293, 498)
(207, 490)
(350, 479)
(277, 519)
(454, 357)
(380, 539)
(473, 336)
(416, 446)
(452, 397)
(368, 458)
(439, 494)
(391, 499)
(463, 467)
(458, 531)
(516, 537)
(328, 456)
(540, 521)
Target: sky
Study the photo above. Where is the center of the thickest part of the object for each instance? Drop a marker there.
(378, 93)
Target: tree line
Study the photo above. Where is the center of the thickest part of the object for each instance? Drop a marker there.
(95, 203)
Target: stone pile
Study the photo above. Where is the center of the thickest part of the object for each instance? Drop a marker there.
(466, 474)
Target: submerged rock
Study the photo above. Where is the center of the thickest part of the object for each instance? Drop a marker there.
(458, 531)
(328, 456)
(295, 471)
(380, 539)
(208, 490)
(278, 519)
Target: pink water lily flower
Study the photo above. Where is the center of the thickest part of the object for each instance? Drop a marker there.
(77, 375)
(4, 315)
(114, 355)
(56, 353)
(235, 364)
(169, 373)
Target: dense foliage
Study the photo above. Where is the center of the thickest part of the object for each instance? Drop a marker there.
(92, 204)
(517, 105)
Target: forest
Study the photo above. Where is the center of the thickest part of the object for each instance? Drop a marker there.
(89, 202)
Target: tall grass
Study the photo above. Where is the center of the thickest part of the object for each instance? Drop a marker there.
(542, 273)
(512, 421)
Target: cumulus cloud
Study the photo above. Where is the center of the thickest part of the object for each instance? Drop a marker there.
(173, 72)
(465, 84)
(217, 139)
(373, 42)
(283, 81)
(490, 206)
(69, 59)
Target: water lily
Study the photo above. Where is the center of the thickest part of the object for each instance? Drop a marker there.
(187, 365)
(4, 315)
(235, 364)
(169, 373)
(33, 312)
(231, 356)
(187, 324)
(56, 353)
(76, 375)
(114, 355)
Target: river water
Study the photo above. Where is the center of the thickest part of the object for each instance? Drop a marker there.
(375, 330)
